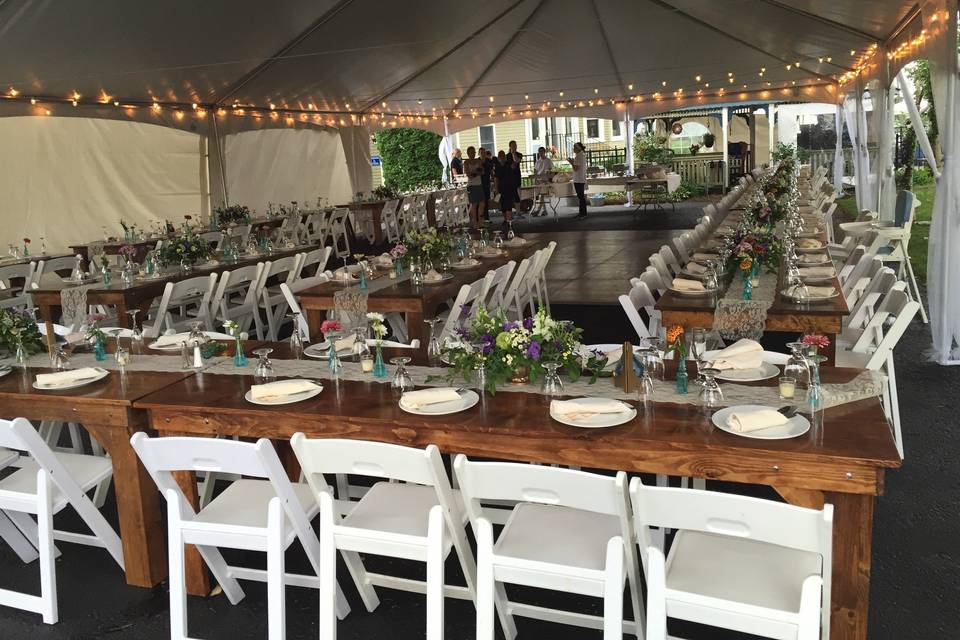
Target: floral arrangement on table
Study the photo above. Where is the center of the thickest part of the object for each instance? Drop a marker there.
(676, 343)
(756, 249)
(516, 350)
(19, 329)
(814, 342)
(234, 214)
(429, 245)
(96, 336)
(330, 326)
(26, 247)
(128, 252)
(379, 331)
(186, 248)
(398, 251)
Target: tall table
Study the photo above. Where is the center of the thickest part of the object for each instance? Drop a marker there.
(416, 301)
(843, 463)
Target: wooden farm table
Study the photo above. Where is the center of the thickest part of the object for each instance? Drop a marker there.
(405, 297)
(106, 410)
(842, 463)
(138, 295)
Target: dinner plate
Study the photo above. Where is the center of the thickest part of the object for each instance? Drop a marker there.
(809, 234)
(465, 265)
(764, 372)
(810, 300)
(295, 397)
(824, 259)
(468, 399)
(516, 242)
(101, 374)
(489, 253)
(176, 347)
(693, 294)
(5, 369)
(815, 249)
(444, 277)
(796, 426)
(600, 420)
(697, 276)
(818, 279)
(321, 350)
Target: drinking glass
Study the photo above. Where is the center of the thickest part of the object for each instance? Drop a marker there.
(360, 347)
(655, 359)
(551, 385)
(121, 356)
(510, 234)
(197, 336)
(815, 391)
(296, 340)
(136, 338)
(797, 366)
(264, 371)
(433, 343)
(787, 387)
(498, 239)
(710, 393)
(698, 345)
(401, 378)
(480, 378)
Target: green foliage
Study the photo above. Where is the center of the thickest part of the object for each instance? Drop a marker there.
(803, 155)
(409, 158)
(234, 214)
(187, 247)
(651, 149)
(708, 139)
(17, 327)
(922, 176)
(384, 193)
(688, 190)
(784, 150)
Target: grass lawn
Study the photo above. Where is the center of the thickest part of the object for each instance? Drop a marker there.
(847, 207)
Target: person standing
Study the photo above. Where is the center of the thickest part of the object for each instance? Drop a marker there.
(456, 165)
(543, 173)
(505, 184)
(516, 158)
(473, 169)
(488, 168)
(579, 164)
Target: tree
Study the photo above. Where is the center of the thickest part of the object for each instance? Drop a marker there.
(923, 92)
(409, 158)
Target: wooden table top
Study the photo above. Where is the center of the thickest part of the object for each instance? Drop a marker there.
(6, 262)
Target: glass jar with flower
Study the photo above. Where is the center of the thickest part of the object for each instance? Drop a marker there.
(676, 343)
(105, 269)
(814, 342)
(129, 255)
(379, 331)
(364, 283)
(96, 336)
(19, 335)
(399, 254)
(26, 247)
(233, 329)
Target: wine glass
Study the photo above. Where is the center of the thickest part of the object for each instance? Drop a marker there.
(197, 337)
(433, 343)
(510, 234)
(264, 371)
(498, 239)
(296, 340)
(401, 378)
(360, 348)
(710, 393)
(59, 360)
(655, 361)
(136, 337)
(698, 345)
(551, 385)
(480, 379)
(797, 366)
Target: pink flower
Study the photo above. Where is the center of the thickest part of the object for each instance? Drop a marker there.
(95, 317)
(329, 325)
(815, 340)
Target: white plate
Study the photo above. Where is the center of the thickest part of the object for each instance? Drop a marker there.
(764, 372)
(810, 249)
(818, 279)
(460, 265)
(796, 426)
(296, 397)
(176, 347)
(706, 292)
(4, 370)
(321, 350)
(599, 420)
(101, 374)
(468, 399)
(811, 299)
(444, 277)
(809, 263)
(489, 253)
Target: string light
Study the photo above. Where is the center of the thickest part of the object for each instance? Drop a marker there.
(13, 92)
(698, 78)
(33, 101)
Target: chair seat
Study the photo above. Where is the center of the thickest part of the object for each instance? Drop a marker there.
(86, 470)
(557, 535)
(739, 570)
(854, 359)
(395, 507)
(244, 503)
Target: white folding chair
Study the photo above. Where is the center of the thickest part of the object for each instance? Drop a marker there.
(24, 272)
(236, 298)
(570, 531)
(271, 299)
(641, 298)
(745, 564)
(493, 298)
(464, 305)
(264, 511)
(670, 259)
(192, 296)
(411, 513)
(313, 263)
(289, 292)
(517, 297)
(389, 222)
(660, 266)
(538, 279)
(337, 224)
(651, 277)
(58, 266)
(44, 485)
(861, 312)
(215, 238)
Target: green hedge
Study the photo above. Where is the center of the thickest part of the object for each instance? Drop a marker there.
(409, 158)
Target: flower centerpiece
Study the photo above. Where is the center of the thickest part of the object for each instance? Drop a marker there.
(510, 350)
(379, 331)
(186, 249)
(813, 342)
(330, 327)
(96, 336)
(19, 333)
(26, 247)
(234, 214)
(429, 245)
(677, 344)
(398, 252)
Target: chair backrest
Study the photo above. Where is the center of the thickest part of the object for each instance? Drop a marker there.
(731, 515)
(389, 220)
(53, 265)
(320, 456)
(903, 209)
(513, 294)
(683, 244)
(289, 292)
(639, 297)
(316, 260)
(670, 259)
(247, 277)
(17, 271)
(866, 267)
(882, 334)
(851, 263)
(465, 305)
(654, 281)
(213, 237)
(284, 268)
(872, 296)
(493, 298)
(192, 291)
(658, 263)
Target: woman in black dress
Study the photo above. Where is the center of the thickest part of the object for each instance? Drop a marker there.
(506, 184)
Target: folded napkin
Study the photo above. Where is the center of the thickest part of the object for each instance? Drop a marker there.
(66, 377)
(424, 397)
(345, 343)
(812, 258)
(517, 241)
(468, 262)
(696, 268)
(281, 389)
(747, 421)
(432, 276)
(742, 354)
(169, 341)
(703, 257)
(817, 272)
(809, 243)
(683, 284)
(574, 410)
(383, 260)
(821, 292)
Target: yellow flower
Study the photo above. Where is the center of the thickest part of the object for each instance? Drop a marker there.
(746, 263)
(674, 333)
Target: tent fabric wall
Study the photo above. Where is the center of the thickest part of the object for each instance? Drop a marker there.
(356, 153)
(277, 165)
(66, 178)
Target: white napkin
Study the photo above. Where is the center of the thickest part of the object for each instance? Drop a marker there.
(66, 377)
(742, 354)
(280, 389)
(682, 284)
(812, 258)
(817, 272)
(169, 341)
(345, 343)
(383, 260)
(423, 397)
(696, 268)
(704, 257)
(821, 292)
(468, 262)
(432, 276)
(809, 243)
(574, 410)
(745, 422)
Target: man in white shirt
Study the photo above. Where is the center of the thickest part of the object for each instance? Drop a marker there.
(579, 164)
(543, 171)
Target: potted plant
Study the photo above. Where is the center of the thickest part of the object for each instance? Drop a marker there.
(694, 148)
(708, 139)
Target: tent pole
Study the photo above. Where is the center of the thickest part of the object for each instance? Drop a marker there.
(838, 161)
(216, 162)
(771, 138)
(628, 146)
(724, 136)
(753, 141)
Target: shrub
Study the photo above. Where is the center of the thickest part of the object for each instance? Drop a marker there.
(922, 176)
(688, 190)
(409, 158)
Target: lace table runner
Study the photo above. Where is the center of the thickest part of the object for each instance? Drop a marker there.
(73, 301)
(350, 303)
(735, 318)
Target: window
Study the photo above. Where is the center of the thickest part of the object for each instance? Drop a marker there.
(615, 128)
(488, 139)
(593, 129)
(535, 129)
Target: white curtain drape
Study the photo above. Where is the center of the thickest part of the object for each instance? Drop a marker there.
(281, 165)
(943, 258)
(356, 153)
(917, 122)
(850, 114)
(838, 163)
(65, 179)
(883, 100)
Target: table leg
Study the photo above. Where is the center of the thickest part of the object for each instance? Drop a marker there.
(123, 320)
(46, 314)
(314, 321)
(197, 575)
(138, 508)
(852, 537)
(417, 328)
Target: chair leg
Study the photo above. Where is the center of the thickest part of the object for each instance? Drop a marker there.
(176, 583)
(20, 544)
(328, 568)
(100, 494)
(435, 574)
(613, 592)
(485, 582)
(276, 608)
(48, 569)
(29, 529)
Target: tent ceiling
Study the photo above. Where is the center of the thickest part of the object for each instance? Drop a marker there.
(430, 56)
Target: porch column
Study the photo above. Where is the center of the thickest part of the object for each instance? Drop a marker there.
(627, 130)
(216, 166)
(724, 136)
(771, 138)
(753, 141)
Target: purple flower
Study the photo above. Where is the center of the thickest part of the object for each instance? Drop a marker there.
(464, 310)
(487, 338)
(533, 351)
(557, 345)
(528, 323)
(509, 326)
(486, 349)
